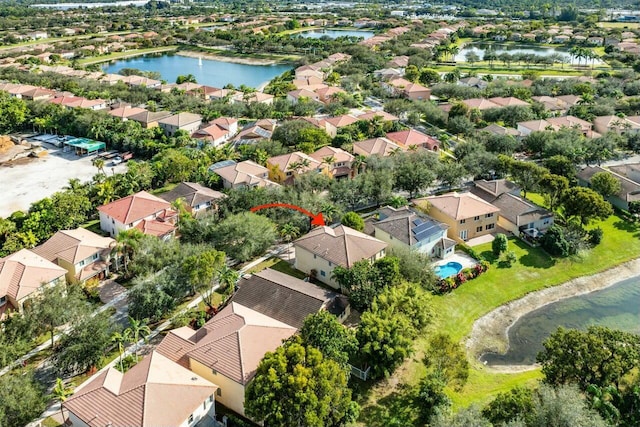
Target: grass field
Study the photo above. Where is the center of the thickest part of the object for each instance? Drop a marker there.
(458, 310)
(126, 54)
(621, 25)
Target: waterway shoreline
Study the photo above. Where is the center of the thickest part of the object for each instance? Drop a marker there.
(232, 59)
(490, 333)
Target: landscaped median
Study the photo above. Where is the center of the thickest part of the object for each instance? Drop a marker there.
(534, 269)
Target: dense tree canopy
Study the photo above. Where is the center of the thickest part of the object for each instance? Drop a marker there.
(297, 386)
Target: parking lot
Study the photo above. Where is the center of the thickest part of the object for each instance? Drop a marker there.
(27, 180)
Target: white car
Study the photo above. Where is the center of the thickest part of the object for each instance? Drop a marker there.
(116, 161)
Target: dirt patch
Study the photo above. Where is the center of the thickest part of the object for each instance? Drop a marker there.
(490, 332)
(222, 58)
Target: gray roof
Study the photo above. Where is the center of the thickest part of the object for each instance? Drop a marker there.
(283, 297)
(629, 190)
(514, 208)
(407, 226)
(489, 190)
(193, 194)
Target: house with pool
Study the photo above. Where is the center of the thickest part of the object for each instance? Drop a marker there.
(467, 215)
(408, 229)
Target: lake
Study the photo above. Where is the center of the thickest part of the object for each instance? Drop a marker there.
(207, 72)
(334, 34)
(616, 307)
(513, 49)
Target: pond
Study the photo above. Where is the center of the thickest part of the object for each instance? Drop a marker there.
(334, 34)
(616, 307)
(520, 49)
(207, 72)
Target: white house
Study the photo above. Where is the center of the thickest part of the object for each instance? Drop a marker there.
(144, 211)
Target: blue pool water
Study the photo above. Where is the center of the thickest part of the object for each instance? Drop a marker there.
(448, 269)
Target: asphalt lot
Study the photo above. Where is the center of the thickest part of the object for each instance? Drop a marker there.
(25, 181)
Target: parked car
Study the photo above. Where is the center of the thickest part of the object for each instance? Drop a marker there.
(116, 160)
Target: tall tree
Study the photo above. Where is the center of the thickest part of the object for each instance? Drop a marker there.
(323, 331)
(586, 205)
(297, 386)
(61, 392)
(21, 399)
(605, 184)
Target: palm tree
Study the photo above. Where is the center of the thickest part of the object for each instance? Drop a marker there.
(298, 167)
(288, 232)
(358, 164)
(120, 339)
(127, 241)
(106, 191)
(98, 162)
(137, 328)
(329, 211)
(74, 185)
(61, 392)
(329, 161)
(227, 277)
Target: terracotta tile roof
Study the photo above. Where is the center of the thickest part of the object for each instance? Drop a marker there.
(328, 151)
(495, 187)
(480, 103)
(379, 146)
(460, 205)
(508, 101)
(384, 116)
(233, 342)
(126, 112)
(282, 297)
(24, 272)
(156, 228)
(212, 132)
(411, 137)
(135, 207)
(146, 395)
(74, 245)
(340, 245)
(246, 172)
(284, 161)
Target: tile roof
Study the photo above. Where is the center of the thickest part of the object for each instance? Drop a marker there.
(340, 245)
(74, 245)
(514, 208)
(411, 137)
(135, 207)
(328, 151)
(383, 115)
(153, 227)
(181, 119)
(495, 188)
(407, 225)
(192, 193)
(379, 146)
(460, 205)
(24, 272)
(629, 189)
(246, 172)
(282, 297)
(284, 161)
(126, 112)
(146, 395)
(233, 342)
(149, 116)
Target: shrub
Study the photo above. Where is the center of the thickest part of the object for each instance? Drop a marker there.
(499, 245)
(554, 242)
(511, 258)
(595, 236)
(353, 220)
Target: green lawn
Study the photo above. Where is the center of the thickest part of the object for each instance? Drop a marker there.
(126, 54)
(278, 265)
(534, 270)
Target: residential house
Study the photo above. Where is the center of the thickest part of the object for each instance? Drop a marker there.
(296, 95)
(480, 104)
(473, 82)
(155, 392)
(500, 130)
(378, 115)
(530, 126)
(407, 229)
(227, 349)
(144, 211)
(621, 125)
(399, 62)
(628, 170)
(22, 274)
(467, 215)
(328, 94)
(83, 253)
(187, 122)
(376, 146)
(218, 132)
(509, 101)
(339, 162)
(242, 174)
(572, 122)
(38, 94)
(123, 113)
(412, 137)
(197, 198)
(402, 87)
(517, 215)
(332, 124)
(388, 74)
(284, 168)
(288, 299)
(262, 129)
(149, 119)
(260, 97)
(321, 250)
(629, 189)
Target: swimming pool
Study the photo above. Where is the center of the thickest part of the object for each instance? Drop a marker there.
(449, 269)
